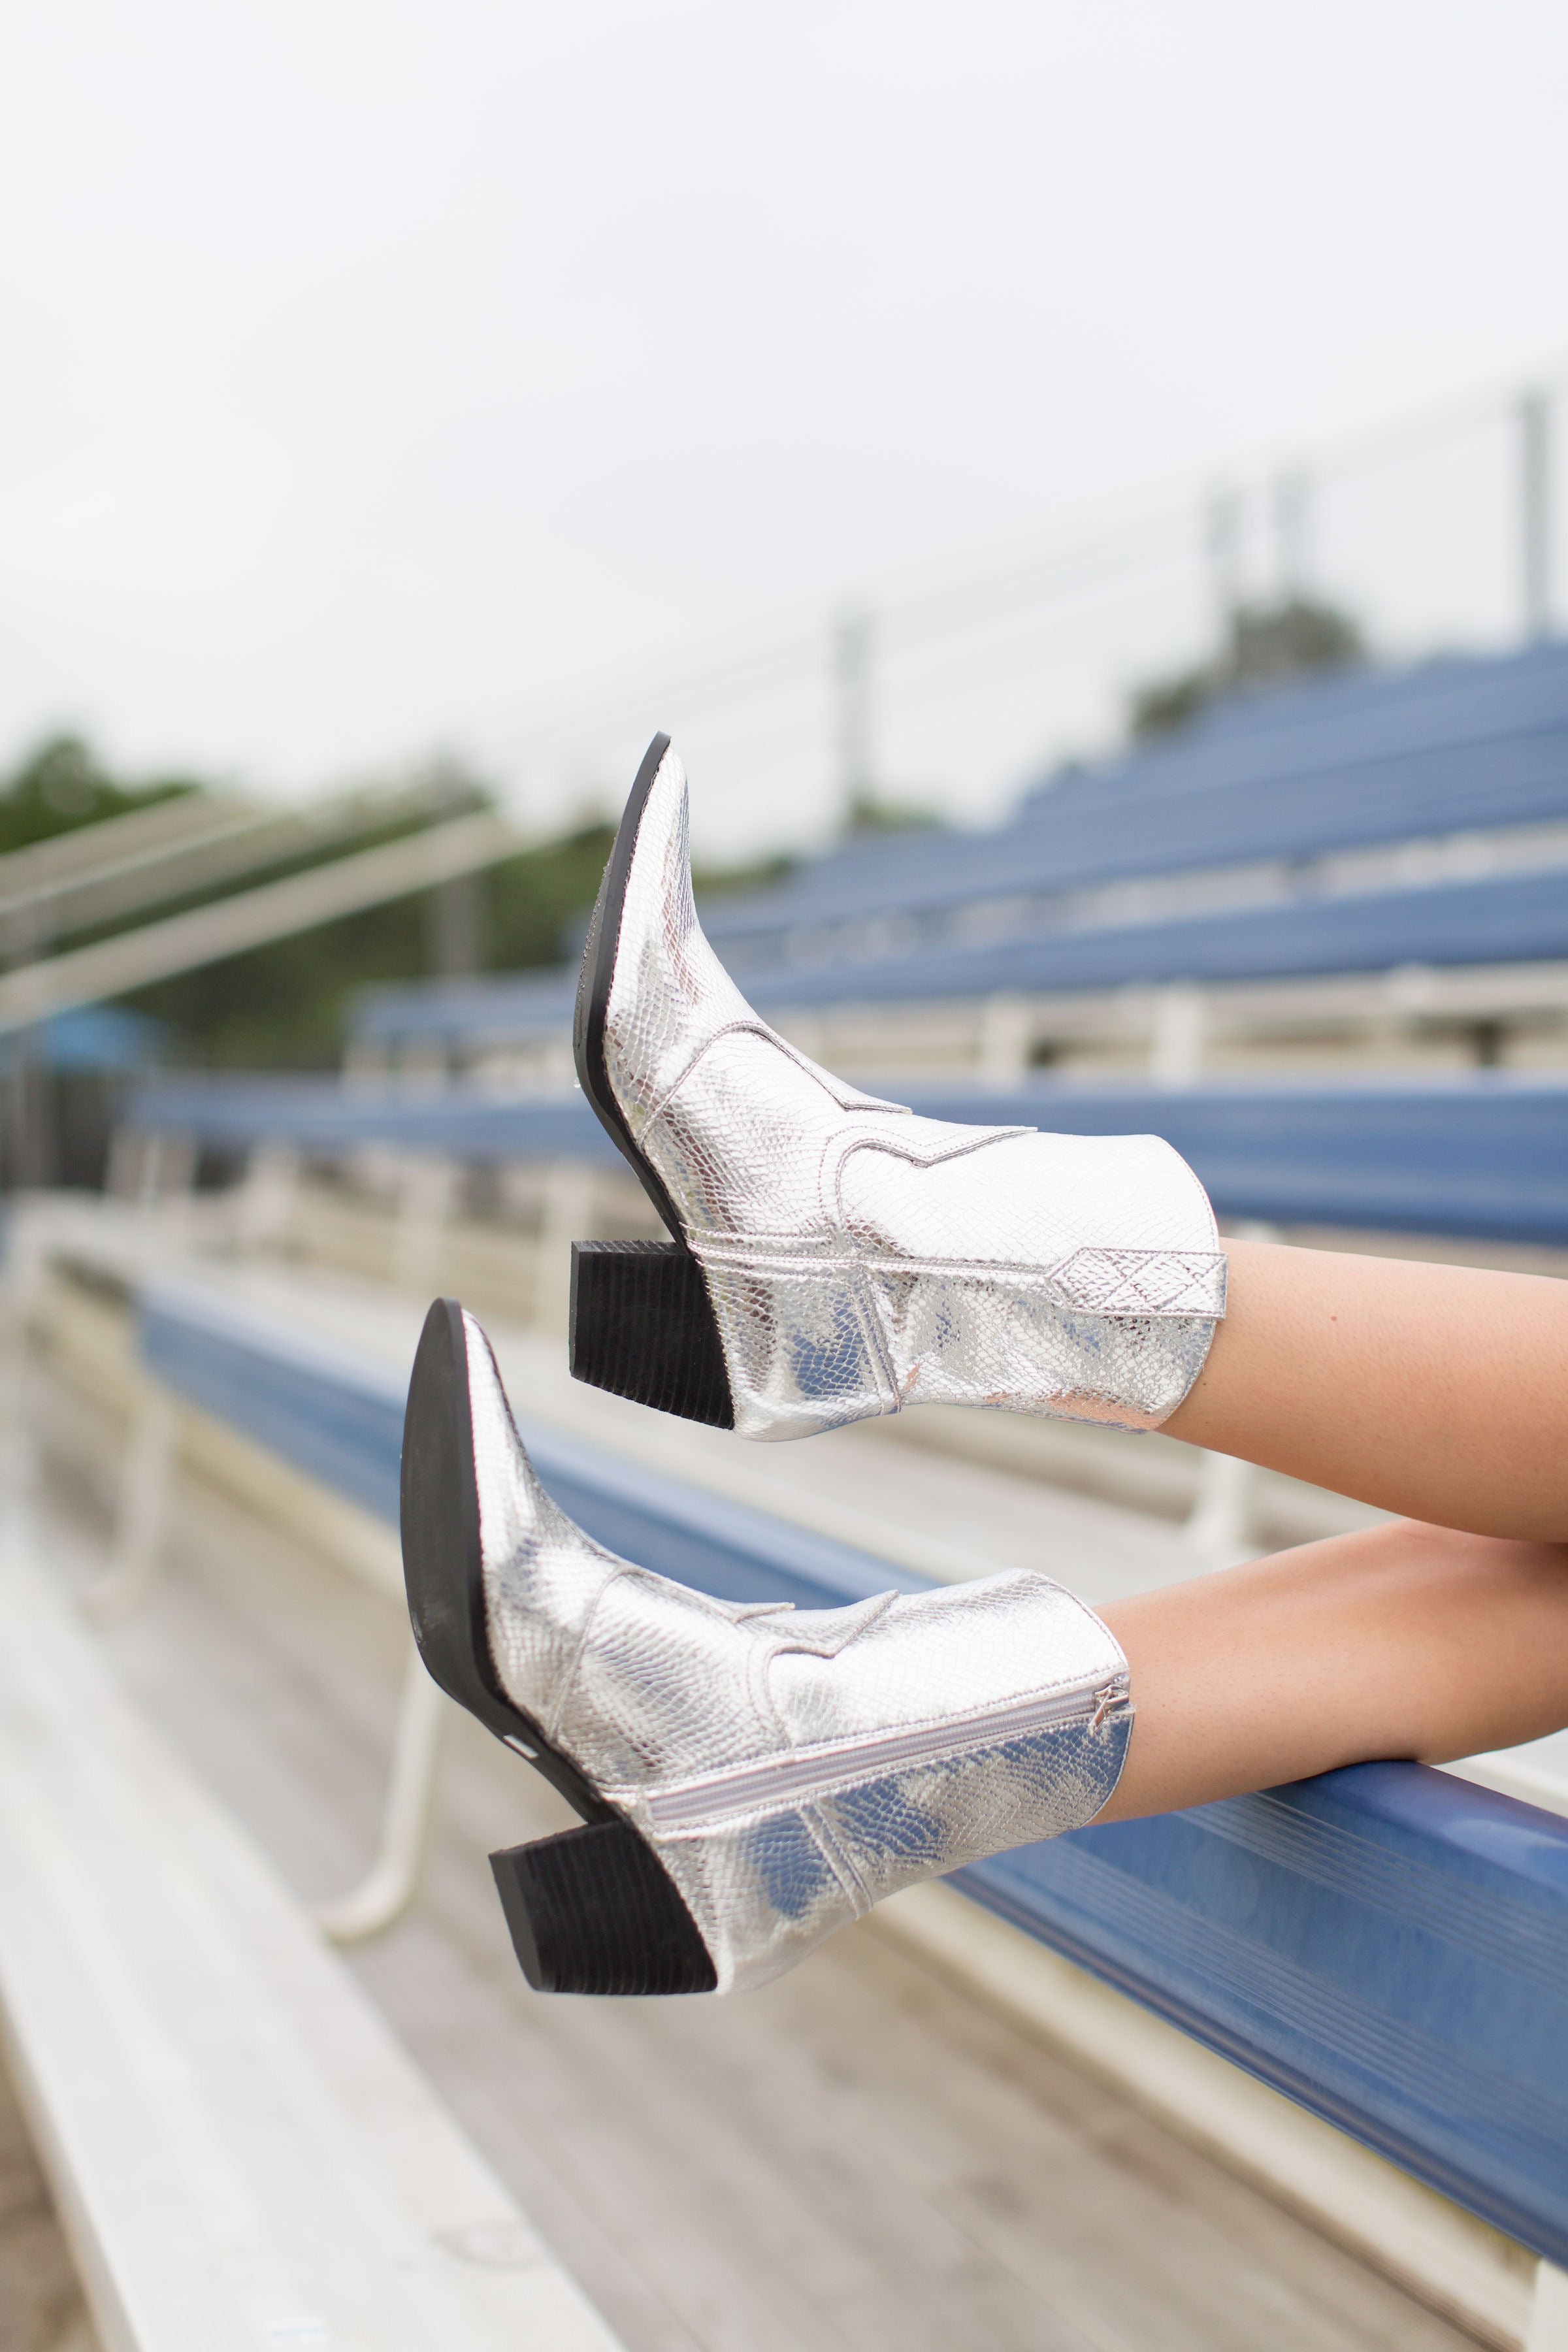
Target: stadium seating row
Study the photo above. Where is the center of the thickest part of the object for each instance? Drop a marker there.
(1451, 747)
(1480, 1157)
(1356, 826)
(1514, 918)
(1384, 1944)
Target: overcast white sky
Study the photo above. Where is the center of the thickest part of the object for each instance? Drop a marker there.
(370, 368)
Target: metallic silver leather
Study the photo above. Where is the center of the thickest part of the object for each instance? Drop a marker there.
(859, 1259)
(790, 1768)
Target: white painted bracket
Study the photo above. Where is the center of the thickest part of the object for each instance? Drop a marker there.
(1220, 1525)
(393, 1879)
(1549, 2314)
(141, 1519)
(569, 1211)
(265, 1200)
(427, 1193)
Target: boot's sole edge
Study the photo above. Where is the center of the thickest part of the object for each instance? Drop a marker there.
(590, 1910)
(656, 1330)
(439, 1512)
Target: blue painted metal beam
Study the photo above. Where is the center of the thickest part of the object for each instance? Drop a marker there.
(321, 1115)
(1484, 1157)
(1386, 1944)
(1481, 1157)
(1451, 747)
(1512, 918)
(1519, 918)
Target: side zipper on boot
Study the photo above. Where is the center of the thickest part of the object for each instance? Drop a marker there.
(805, 1773)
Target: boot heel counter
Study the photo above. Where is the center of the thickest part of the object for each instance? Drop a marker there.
(594, 1911)
(642, 1326)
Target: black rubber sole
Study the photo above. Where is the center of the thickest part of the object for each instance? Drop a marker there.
(655, 1330)
(641, 1326)
(609, 1910)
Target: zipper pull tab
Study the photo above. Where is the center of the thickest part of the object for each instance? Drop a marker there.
(1109, 1696)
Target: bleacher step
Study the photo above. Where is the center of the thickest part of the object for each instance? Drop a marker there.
(240, 2152)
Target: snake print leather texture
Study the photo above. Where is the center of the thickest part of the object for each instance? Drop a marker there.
(859, 1259)
(791, 1768)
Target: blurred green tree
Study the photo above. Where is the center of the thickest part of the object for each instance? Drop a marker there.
(871, 816)
(1265, 643)
(60, 785)
(284, 1006)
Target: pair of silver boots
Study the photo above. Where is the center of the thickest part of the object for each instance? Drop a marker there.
(748, 1779)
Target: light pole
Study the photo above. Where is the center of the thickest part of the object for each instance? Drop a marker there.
(1535, 511)
(852, 698)
(1292, 534)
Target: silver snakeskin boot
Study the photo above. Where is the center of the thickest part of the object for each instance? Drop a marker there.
(833, 1258)
(749, 1778)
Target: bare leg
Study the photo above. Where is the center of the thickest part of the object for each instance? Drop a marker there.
(1405, 1641)
(1437, 1390)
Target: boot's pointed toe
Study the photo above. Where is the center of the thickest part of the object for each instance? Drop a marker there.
(833, 1258)
(750, 1778)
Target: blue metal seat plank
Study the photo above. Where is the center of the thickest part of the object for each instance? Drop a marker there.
(1509, 918)
(1386, 1944)
(1482, 1157)
(1451, 747)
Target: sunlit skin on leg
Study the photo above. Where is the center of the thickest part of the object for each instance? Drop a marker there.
(1405, 1640)
(1437, 1390)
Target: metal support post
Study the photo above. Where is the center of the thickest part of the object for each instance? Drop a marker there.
(570, 1208)
(137, 1552)
(30, 1105)
(1007, 1034)
(1220, 1525)
(127, 1150)
(426, 1184)
(266, 1198)
(393, 1879)
(1292, 531)
(168, 1170)
(1222, 546)
(1535, 511)
(1549, 2314)
(1176, 1042)
(454, 926)
(852, 685)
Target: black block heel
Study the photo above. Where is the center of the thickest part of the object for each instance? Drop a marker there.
(642, 1327)
(594, 1911)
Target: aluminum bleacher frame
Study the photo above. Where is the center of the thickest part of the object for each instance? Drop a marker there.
(1480, 1156)
(1269, 813)
(1288, 774)
(1386, 1945)
(239, 2150)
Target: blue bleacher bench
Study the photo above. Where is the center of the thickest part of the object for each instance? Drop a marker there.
(1482, 1156)
(1447, 747)
(1387, 1944)
(1454, 750)
(1506, 918)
